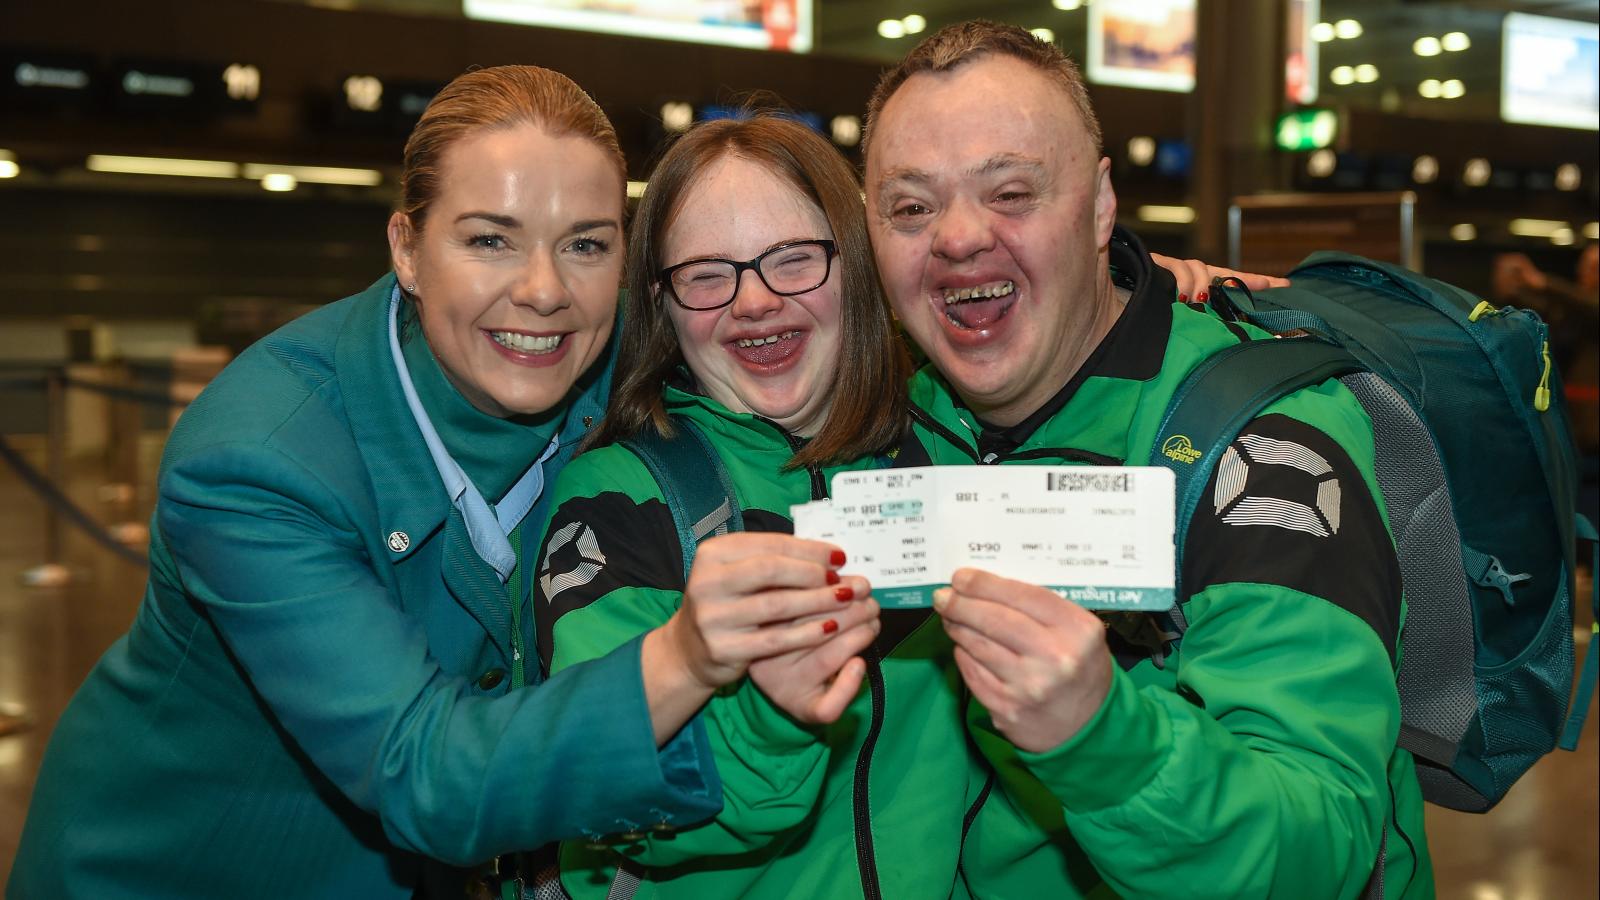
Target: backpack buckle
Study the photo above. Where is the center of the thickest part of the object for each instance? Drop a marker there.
(1494, 575)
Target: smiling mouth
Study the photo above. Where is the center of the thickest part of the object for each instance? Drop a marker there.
(536, 344)
(768, 350)
(979, 306)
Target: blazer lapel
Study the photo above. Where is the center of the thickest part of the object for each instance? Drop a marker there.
(411, 501)
(474, 583)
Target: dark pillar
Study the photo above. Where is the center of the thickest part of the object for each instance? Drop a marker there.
(1237, 96)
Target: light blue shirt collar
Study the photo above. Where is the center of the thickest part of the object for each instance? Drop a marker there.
(487, 526)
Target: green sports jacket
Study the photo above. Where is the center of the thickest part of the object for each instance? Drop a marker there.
(873, 805)
(1259, 760)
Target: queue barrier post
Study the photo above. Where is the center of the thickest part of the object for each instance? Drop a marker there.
(52, 573)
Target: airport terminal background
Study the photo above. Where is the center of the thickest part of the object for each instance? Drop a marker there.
(178, 178)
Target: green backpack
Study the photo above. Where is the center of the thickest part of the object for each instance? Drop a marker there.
(1476, 466)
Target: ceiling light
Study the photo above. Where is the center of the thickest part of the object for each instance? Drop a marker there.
(1452, 89)
(1322, 32)
(914, 23)
(1067, 5)
(1430, 88)
(676, 116)
(1425, 169)
(1538, 227)
(1465, 231)
(846, 130)
(242, 82)
(1172, 215)
(1366, 73)
(278, 182)
(9, 168)
(1142, 150)
(316, 174)
(1426, 46)
(363, 93)
(153, 165)
(1476, 172)
(1568, 177)
(893, 29)
(1562, 237)
(636, 189)
(1322, 163)
(1043, 34)
(1455, 41)
(1342, 75)
(1348, 29)
(1592, 231)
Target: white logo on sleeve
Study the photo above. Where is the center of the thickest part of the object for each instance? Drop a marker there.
(1235, 507)
(577, 567)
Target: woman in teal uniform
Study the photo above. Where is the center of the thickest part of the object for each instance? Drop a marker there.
(318, 696)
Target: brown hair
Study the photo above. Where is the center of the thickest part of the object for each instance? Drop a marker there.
(498, 97)
(869, 407)
(954, 45)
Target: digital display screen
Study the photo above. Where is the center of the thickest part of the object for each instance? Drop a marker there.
(753, 24)
(1142, 43)
(1550, 72)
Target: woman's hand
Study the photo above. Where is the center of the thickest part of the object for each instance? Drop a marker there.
(1194, 277)
(749, 596)
(815, 684)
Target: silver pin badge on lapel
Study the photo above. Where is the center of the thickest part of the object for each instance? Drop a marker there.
(399, 541)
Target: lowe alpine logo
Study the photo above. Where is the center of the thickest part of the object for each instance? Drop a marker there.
(1180, 449)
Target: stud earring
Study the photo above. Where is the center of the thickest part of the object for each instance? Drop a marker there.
(411, 288)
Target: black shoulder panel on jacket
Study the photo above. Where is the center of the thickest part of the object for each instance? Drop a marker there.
(595, 545)
(1287, 506)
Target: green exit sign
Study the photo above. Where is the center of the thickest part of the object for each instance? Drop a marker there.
(1307, 129)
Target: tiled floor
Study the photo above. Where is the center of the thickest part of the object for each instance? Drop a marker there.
(1540, 844)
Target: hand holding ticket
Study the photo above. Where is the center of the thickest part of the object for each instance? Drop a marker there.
(1099, 536)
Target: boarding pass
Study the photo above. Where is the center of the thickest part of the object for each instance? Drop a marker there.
(1100, 536)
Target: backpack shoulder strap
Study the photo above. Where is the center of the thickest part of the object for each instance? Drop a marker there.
(701, 506)
(1216, 401)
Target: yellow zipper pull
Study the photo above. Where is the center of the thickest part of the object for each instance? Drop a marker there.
(1541, 394)
(1483, 308)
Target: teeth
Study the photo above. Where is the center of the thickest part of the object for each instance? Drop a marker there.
(771, 339)
(981, 292)
(527, 343)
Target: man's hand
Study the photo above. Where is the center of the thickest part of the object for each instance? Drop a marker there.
(1194, 277)
(1037, 662)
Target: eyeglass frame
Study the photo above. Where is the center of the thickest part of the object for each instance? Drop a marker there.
(830, 250)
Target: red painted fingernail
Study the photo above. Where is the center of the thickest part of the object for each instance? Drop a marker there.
(830, 626)
(833, 577)
(1202, 296)
(836, 558)
(844, 594)
(1183, 298)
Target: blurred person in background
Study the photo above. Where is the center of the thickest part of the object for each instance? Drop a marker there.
(1572, 310)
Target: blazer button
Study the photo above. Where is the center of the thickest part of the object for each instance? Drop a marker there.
(491, 679)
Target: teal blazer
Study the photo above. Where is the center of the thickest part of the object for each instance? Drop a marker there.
(310, 705)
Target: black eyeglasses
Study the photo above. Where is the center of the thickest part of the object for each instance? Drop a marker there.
(786, 270)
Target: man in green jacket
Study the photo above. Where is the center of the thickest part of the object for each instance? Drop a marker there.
(1261, 760)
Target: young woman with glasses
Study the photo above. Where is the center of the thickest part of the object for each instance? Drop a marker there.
(754, 316)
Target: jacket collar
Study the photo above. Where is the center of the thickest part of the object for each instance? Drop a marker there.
(411, 500)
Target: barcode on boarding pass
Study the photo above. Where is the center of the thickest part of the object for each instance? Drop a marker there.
(1099, 482)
